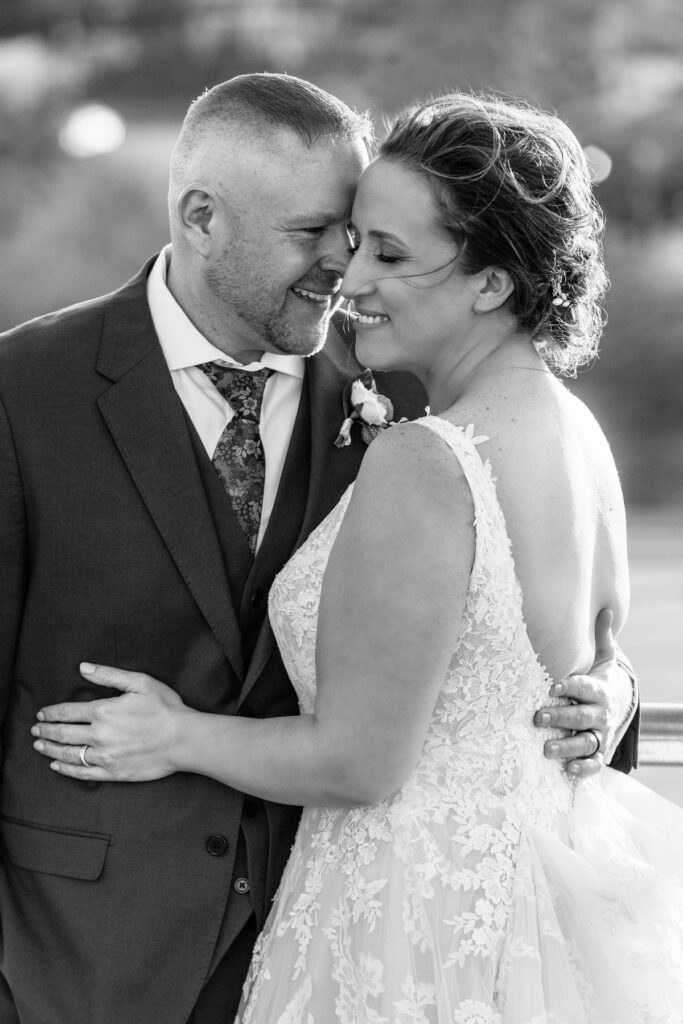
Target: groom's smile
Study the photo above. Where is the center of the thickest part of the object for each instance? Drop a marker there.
(318, 298)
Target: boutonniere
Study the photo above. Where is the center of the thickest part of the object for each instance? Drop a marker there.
(364, 405)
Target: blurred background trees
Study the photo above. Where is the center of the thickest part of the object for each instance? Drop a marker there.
(92, 93)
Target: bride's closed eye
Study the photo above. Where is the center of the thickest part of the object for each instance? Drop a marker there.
(383, 257)
(381, 254)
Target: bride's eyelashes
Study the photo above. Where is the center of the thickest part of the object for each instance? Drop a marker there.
(382, 257)
(381, 254)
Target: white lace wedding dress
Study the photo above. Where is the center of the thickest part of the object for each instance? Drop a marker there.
(488, 889)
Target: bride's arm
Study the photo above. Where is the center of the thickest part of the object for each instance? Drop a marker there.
(390, 610)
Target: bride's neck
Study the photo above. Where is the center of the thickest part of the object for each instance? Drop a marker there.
(466, 372)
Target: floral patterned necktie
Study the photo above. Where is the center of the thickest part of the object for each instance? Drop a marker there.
(239, 459)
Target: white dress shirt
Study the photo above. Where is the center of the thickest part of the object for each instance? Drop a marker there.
(184, 348)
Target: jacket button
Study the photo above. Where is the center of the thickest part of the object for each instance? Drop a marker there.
(250, 808)
(241, 885)
(217, 845)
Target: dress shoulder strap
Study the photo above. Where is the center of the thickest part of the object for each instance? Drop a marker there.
(493, 547)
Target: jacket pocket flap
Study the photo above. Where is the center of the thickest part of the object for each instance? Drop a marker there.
(53, 851)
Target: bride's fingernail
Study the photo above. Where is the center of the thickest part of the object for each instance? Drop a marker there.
(545, 718)
(86, 668)
(556, 689)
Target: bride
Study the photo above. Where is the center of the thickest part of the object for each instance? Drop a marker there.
(444, 870)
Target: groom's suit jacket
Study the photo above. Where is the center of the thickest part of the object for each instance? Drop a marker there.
(119, 546)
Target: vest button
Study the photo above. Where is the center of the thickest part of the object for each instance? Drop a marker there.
(217, 845)
(241, 886)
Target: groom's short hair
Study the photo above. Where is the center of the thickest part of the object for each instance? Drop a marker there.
(251, 111)
(263, 101)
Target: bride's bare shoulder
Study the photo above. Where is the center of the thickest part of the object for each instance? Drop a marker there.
(409, 446)
(410, 469)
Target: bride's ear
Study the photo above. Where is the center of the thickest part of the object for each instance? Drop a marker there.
(494, 286)
(196, 213)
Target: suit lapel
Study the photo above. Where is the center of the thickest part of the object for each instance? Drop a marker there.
(332, 469)
(316, 473)
(147, 423)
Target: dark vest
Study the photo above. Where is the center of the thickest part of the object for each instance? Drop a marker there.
(250, 578)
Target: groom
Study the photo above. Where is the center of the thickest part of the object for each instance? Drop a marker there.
(121, 543)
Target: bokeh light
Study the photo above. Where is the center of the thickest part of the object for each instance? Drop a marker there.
(91, 130)
(599, 163)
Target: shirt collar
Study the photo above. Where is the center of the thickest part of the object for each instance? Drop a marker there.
(183, 345)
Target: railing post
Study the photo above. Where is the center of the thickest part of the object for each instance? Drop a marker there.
(661, 734)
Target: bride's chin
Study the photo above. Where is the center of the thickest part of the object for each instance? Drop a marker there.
(372, 356)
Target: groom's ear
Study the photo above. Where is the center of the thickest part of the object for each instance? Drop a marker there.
(197, 216)
(493, 287)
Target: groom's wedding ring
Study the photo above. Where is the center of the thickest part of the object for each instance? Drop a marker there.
(86, 746)
(598, 741)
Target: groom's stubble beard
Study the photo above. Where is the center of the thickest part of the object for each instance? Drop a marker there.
(266, 313)
(292, 339)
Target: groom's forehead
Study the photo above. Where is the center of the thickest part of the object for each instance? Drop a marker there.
(321, 177)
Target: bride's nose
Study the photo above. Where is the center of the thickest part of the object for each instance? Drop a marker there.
(355, 282)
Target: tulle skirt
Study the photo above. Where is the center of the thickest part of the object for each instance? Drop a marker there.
(586, 928)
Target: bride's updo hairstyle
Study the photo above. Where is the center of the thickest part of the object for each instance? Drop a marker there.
(514, 190)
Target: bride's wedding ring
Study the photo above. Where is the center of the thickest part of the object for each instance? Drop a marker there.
(86, 746)
(598, 741)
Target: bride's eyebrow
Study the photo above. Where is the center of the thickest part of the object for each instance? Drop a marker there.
(385, 236)
(379, 236)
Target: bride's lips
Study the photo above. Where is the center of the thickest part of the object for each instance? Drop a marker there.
(368, 317)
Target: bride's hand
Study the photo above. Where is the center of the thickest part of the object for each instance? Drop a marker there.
(130, 738)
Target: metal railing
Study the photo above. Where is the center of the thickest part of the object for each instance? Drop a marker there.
(661, 734)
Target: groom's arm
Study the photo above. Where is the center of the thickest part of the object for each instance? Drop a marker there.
(12, 557)
(625, 756)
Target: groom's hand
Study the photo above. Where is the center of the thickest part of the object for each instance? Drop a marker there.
(591, 719)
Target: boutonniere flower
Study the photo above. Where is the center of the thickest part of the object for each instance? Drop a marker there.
(363, 404)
